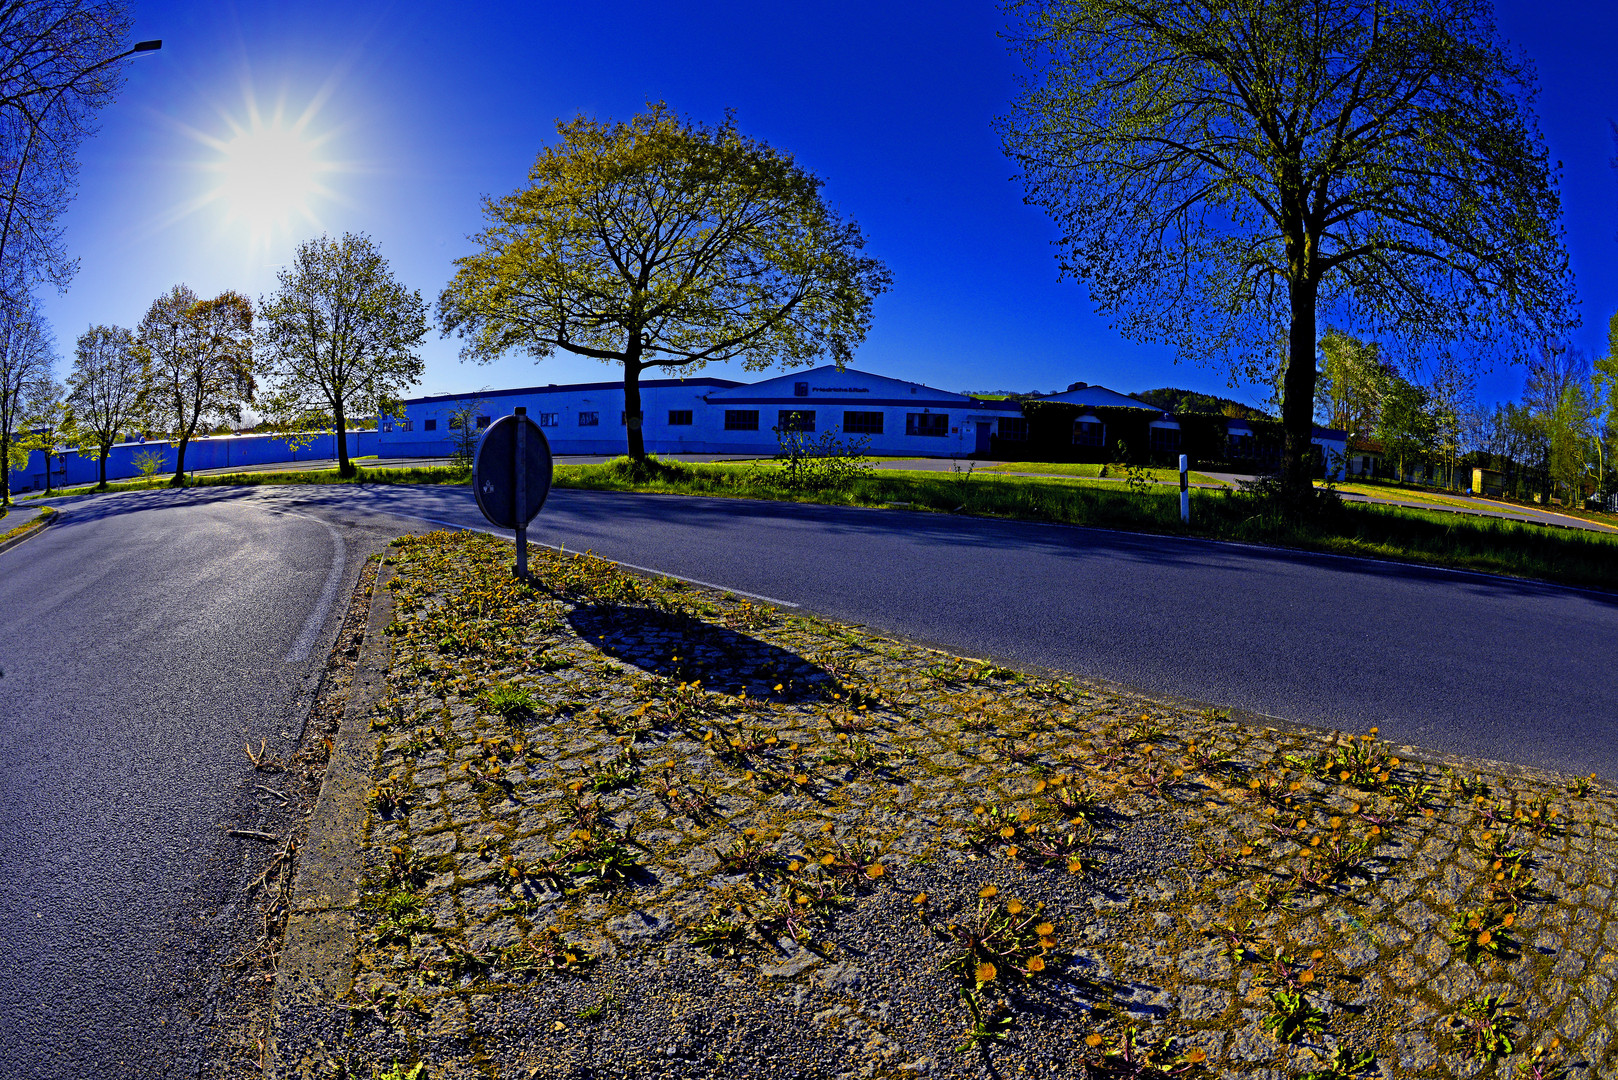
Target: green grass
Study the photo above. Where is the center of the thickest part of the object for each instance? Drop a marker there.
(43, 516)
(1402, 534)
(1490, 545)
(1093, 472)
(437, 474)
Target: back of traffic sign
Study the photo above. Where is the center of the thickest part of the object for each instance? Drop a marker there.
(496, 471)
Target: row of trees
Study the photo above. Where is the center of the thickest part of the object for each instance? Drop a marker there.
(339, 337)
(1557, 440)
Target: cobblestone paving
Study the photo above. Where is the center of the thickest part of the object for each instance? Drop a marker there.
(625, 827)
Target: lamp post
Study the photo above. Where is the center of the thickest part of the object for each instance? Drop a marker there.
(33, 131)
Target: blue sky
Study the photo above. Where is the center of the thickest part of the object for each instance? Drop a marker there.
(416, 110)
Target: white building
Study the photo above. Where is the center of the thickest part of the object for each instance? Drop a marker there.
(721, 416)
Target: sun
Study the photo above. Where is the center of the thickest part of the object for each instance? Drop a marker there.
(269, 176)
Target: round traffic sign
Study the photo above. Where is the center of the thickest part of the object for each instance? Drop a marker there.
(494, 471)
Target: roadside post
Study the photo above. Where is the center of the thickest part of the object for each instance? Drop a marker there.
(511, 476)
(1185, 494)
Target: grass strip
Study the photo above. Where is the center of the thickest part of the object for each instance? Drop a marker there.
(1402, 534)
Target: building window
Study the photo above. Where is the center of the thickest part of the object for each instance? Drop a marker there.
(589, 419)
(1013, 429)
(796, 419)
(800, 389)
(483, 422)
(1089, 433)
(1165, 440)
(547, 419)
(741, 419)
(679, 418)
(927, 424)
(429, 425)
(862, 423)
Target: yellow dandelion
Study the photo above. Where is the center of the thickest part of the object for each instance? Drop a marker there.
(1044, 929)
(875, 870)
(1306, 977)
(1092, 1040)
(1014, 906)
(988, 891)
(921, 898)
(1196, 1057)
(1036, 963)
(986, 972)
(1008, 832)
(1507, 919)
(1485, 937)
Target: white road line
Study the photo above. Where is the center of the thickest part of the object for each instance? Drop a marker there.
(615, 562)
(304, 643)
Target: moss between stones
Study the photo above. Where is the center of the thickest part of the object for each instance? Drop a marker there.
(722, 841)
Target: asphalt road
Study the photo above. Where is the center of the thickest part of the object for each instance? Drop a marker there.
(148, 634)
(144, 639)
(1461, 663)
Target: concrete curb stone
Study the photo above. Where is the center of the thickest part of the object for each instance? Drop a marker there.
(30, 530)
(317, 954)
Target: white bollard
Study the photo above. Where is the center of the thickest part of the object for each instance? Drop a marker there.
(1185, 494)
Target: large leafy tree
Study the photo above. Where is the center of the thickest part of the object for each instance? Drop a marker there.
(200, 355)
(107, 388)
(339, 337)
(26, 357)
(1223, 169)
(659, 242)
(1405, 424)
(1349, 382)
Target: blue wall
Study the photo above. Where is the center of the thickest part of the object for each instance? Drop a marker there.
(213, 452)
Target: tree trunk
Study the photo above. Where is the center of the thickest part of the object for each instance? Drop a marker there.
(105, 450)
(345, 468)
(1298, 392)
(179, 461)
(5, 473)
(633, 418)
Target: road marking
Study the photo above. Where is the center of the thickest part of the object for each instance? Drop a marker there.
(615, 562)
(304, 643)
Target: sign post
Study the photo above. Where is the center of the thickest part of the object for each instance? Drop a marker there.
(1185, 494)
(511, 476)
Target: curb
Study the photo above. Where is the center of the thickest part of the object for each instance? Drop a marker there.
(317, 951)
(39, 524)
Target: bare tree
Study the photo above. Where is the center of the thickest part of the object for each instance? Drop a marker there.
(26, 357)
(200, 355)
(59, 65)
(107, 389)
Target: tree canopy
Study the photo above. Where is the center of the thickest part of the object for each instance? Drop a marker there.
(200, 354)
(339, 337)
(1223, 170)
(107, 389)
(659, 242)
(26, 356)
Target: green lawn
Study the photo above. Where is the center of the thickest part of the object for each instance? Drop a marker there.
(1403, 534)
(1093, 472)
(1399, 533)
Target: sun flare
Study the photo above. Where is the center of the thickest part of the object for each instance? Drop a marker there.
(268, 176)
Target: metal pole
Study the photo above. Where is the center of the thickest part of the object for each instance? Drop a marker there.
(520, 502)
(1185, 494)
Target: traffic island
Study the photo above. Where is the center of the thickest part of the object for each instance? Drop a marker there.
(621, 826)
(10, 538)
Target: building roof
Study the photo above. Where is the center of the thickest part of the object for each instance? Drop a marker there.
(849, 387)
(1097, 396)
(566, 388)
